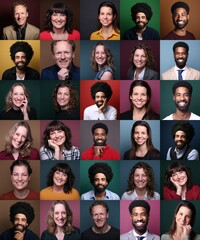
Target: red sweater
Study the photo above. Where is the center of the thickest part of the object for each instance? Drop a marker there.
(34, 155)
(191, 194)
(11, 196)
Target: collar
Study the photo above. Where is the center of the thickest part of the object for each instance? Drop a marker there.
(136, 196)
(113, 33)
(182, 150)
(184, 69)
(92, 195)
(137, 235)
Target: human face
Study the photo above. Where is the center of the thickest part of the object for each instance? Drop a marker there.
(182, 99)
(20, 222)
(139, 219)
(183, 217)
(63, 54)
(140, 135)
(100, 55)
(20, 60)
(19, 137)
(180, 18)
(20, 177)
(99, 137)
(60, 215)
(18, 97)
(99, 99)
(58, 137)
(63, 97)
(141, 20)
(180, 139)
(20, 15)
(58, 20)
(139, 58)
(180, 57)
(106, 16)
(59, 178)
(139, 97)
(100, 182)
(140, 178)
(180, 177)
(99, 216)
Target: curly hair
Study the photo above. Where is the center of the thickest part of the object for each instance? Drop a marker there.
(21, 47)
(186, 127)
(180, 5)
(115, 22)
(20, 163)
(99, 125)
(8, 99)
(150, 178)
(26, 148)
(173, 169)
(109, 57)
(141, 7)
(151, 63)
(74, 97)
(66, 169)
(53, 126)
(184, 84)
(58, 7)
(100, 168)
(101, 87)
(97, 203)
(51, 225)
(23, 208)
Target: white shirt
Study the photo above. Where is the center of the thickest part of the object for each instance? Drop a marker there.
(183, 73)
(134, 196)
(192, 117)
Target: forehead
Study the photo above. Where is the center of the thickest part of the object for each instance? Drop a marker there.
(139, 171)
(63, 89)
(100, 48)
(99, 130)
(179, 132)
(20, 8)
(20, 216)
(21, 168)
(141, 128)
(139, 210)
(18, 89)
(98, 209)
(139, 51)
(181, 90)
(139, 89)
(20, 54)
(21, 129)
(59, 207)
(99, 175)
(185, 210)
(106, 9)
(62, 46)
(180, 49)
(99, 94)
(180, 10)
(140, 14)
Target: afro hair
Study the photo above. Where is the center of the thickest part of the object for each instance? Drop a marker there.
(141, 7)
(101, 87)
(186, 127)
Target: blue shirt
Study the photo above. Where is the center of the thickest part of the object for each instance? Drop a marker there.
(91, 196)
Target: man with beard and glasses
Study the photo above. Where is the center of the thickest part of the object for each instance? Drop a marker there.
(21, 216)
(99, 211)
(141, 15)
(181, 71)
(101, 93)
(21, 54)
(182, 133)
(182, 96)
(100, 175)
(180, 16)
(139, 214)
(100, 150)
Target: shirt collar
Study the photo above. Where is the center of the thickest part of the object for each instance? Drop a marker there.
(100, 32)
(137, 235)
(184, 69)
(92, 195)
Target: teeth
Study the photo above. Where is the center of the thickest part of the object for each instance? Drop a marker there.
(139, 223)
(181, 103)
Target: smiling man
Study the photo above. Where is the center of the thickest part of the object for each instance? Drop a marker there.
(63, 52)
(181, 71)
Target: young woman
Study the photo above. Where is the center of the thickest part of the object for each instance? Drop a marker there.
(108, 29)
(59, 223)
(58, 24)
(102, 62)
(142, 64)
(140, 98)
(141, 183)
(17, 107)
(60, 182)
(183, 222)
(57, 143)
(142, 146)
(66, 102)
(178, 183)
(19, 144)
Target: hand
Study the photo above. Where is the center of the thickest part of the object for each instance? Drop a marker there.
(52, 144)
(177, 186)
(19, 235)
(24, 105)
(187, 230)
(63, 74)
(98, 150)
(103, 106)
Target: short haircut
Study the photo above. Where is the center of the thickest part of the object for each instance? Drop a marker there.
(21, 163)
(99, 125)
(181, 44)
(101, 87)
(71, 42)
(100, 168)
(139, 203)
(186, 127)
(180, 5)
(141, 7)
(101, 203)
(17, 3)
(184, 84)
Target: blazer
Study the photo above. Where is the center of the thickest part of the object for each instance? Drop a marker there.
(149, 74)
(32, 33)
(192, 74)
(130, 236)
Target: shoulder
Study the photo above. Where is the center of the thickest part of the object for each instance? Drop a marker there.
(156, 196)
(87, 195)
(50, 68)
(193, 70)
(193, 116)
(165, 237)
(128, 196)
(32, 27)
(8, 28)
(128, 235)
(94, 35)
(169, 117)
(152, 236)
(126, 155)
(45, 35)
(112, 195)
(75, 35)
(126, 115)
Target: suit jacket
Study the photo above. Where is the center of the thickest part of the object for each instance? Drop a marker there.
(130, 236)
(149, 74)
(192, 74)
(32, 33)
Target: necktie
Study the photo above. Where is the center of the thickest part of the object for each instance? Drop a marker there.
(180, 77)
(140, 237)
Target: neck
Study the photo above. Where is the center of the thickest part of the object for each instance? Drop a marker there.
(180, 32)
(20, 71)
(100, 196)
(141, 193)
(21, 194)
(58, 31)
(101, 230)
(178, 115)
(140, 31)
(138, 113)
(59, 229)
(64, 108)
(107, 29)
(57, 188)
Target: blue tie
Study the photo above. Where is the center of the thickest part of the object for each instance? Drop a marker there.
(180, 77)
(139, 237)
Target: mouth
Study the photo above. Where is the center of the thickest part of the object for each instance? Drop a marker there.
(139, 224)
(182, 103)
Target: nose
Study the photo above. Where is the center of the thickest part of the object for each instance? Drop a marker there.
(62, 55)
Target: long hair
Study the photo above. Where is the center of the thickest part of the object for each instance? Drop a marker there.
(26, 148)
(9, 103)
(150, 178)
(51, 225)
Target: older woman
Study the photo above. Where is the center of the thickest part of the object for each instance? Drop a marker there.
(58, 24)
(59, 223)
(57, 143)
(141, 183)
(19, 144)
(66, 102)
(17, 107)
(108, 29)
(142, 64)
(60, 182)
